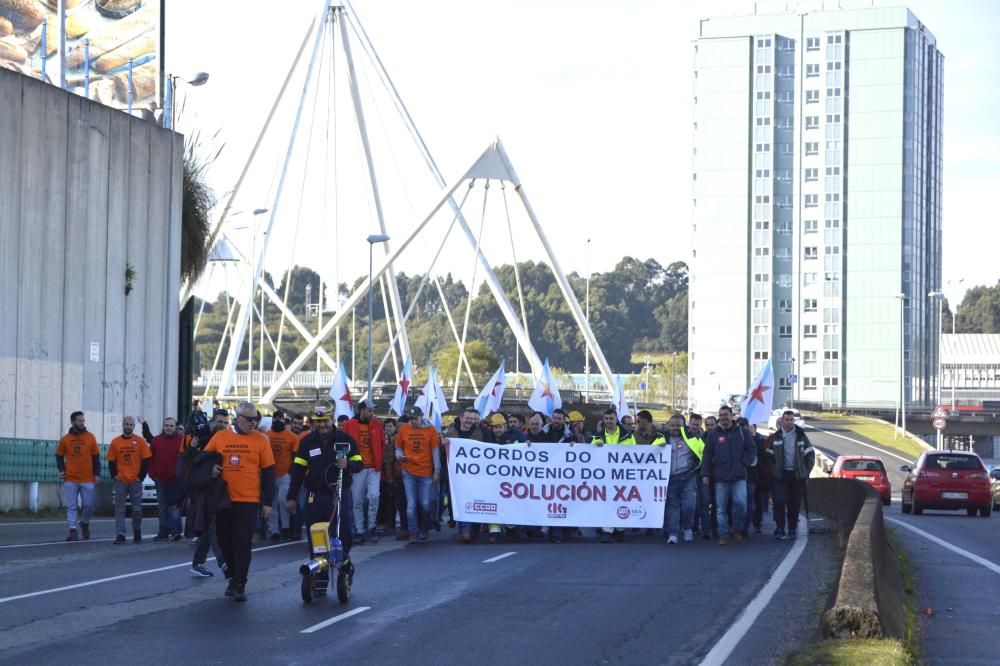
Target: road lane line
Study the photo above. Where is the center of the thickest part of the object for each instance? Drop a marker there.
(500, 557)
(731, 639)
(57, 543)
(54, 522)
(858, 441)
(335, 619)
(995, 568)
(109, 579)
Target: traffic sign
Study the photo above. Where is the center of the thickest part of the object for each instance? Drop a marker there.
(793, 378)
(939, 413)
(939, 423)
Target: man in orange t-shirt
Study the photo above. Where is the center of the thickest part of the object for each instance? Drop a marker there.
(284, 444)
(367, 431)
(79, 463)
(247, 467)
(417, 449)
(128, 460)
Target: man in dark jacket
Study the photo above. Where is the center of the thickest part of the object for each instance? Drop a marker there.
(165, 448)
(729, 451)
(466, 427)
(792, 458)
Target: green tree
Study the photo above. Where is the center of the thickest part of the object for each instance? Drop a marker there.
(481, 358)
(980, 310)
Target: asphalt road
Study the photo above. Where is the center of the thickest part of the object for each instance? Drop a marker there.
(439, 602)
(960, 590)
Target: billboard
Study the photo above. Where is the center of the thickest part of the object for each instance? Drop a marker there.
(104, 40)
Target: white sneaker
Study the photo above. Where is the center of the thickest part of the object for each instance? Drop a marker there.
(672, 539)
(688, 535)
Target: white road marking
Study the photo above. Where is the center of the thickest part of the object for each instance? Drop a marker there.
(858, 441)
(58, 543)
(335, 619)
(725, 646)
(995, 568)
(109, 579)
(53, 522)
(500, 557)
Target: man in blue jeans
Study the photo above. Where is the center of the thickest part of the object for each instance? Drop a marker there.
(417, 447)
(729, 451)
(682, 490)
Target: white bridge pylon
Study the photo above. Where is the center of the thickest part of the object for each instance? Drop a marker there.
(331, 35)
(493, 164)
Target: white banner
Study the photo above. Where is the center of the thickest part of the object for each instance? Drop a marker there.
(556, 485)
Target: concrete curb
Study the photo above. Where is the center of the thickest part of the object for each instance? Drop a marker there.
(868, 598)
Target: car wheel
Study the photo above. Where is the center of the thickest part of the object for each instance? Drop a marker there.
(906, 508)
(971, 511)
(887, 501)
(985, 511)
(917, 509)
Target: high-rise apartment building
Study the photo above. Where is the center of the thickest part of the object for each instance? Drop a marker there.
(817, 206)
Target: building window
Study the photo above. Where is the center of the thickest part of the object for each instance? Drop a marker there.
(783, 384)
(760, 304)
(785, 97)
(830, 329)
(810, 226)
(783, 123)
(786, 71)
(809, 331)
(812, 174)
(760, 355)
(832, 223)
(762, 199)
(831, 315)
(832, 197)
(833, 355)
(762, 173)
(812, 43)
(762, 251)
(812, 96)
(783, 175)
(830, 66)
(785, 331)
(812, 147)
(812, 200)
(809, 278)
(831, 277)
(831, 381)
(762, 148)
(812, 122)
(761, 224)
(763, 122)
(831, 39)
(763, 94)
(809, 383)
(785, 305)
(783, 228)
(833, 117)
(834, 92)
(812, 70)
(833, 171)
(809, 305)
(764, 43)
(763, 69)
(832, 249)
(760, 330)
(808, 357)
(784, 280)
(811, 252)
(761, 277)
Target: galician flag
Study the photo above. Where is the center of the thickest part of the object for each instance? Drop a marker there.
(545, 398)
(492, 394)
(431, 399)
(340, 393)
(756, 407)
(618, 396)
(398, 403)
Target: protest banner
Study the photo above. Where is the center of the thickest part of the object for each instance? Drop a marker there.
(556, 485)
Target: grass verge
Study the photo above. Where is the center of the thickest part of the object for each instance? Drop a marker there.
(851, 652)
(40, 514)
(910, 589)
(882, 433)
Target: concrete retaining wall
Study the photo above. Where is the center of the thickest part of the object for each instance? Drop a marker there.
(85, 191)
(868, 600)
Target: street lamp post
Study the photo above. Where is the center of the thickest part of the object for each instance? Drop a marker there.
(902, 361)
(939, 295)
(253, 292)
(791, 389)
(954, 373)
(374, 238)
(170, 112)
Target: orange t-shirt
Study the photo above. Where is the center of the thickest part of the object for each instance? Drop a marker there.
(302, 435)
(243, 457)
(283, 445)
(365, 445)
(417, 444)
(128, 453)
(78, 451)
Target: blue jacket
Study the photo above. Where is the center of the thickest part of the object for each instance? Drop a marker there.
(728, 454)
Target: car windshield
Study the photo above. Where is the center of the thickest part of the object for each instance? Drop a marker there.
(863, 466)
(953, 462)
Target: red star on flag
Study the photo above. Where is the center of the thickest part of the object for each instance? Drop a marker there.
(495, 387)
(758, 394)
(548, 390)
(404, 384)
(347, 397)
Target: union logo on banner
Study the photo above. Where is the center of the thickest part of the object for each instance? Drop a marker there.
(557, 510)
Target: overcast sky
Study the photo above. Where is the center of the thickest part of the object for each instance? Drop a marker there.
(591, 99)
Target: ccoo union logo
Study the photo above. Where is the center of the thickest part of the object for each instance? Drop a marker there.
(557, 510)
(479, 506)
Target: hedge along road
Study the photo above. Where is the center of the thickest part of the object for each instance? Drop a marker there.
(575, 601)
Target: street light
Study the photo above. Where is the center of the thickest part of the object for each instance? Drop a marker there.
(954, 372)
(169, 115)
(939, 295)
(253, 291)
(902, 360)
(374, 238)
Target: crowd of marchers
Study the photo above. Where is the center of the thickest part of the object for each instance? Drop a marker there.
(240, 475)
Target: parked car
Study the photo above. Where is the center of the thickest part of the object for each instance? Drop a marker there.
(772, 421)
(995, 487)
(869, 469)
(948, 480)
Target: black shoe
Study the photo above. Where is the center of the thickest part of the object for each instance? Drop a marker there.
(606, 538)
(120, 539)
(619, 537)
(200, 571)
(175, 537)
(286, 534)
(275, 538)
(359, 539)
(73, 536)
(554, 537)
(240, 593)
(85, 529)
(779, 534)
(136, 536)
(230, 589)
(159, 538)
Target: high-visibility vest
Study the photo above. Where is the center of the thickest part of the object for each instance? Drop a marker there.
(694, 443)
(613, 438)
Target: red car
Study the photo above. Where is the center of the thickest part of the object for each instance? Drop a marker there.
(864, 468)
(947, 480)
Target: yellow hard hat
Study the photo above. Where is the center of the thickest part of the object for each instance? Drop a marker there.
(497, 419)
(322, 410)
(575, 417)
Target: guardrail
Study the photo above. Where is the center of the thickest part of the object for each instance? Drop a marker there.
(26, 460)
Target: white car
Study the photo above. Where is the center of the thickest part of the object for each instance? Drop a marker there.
(775, 417)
